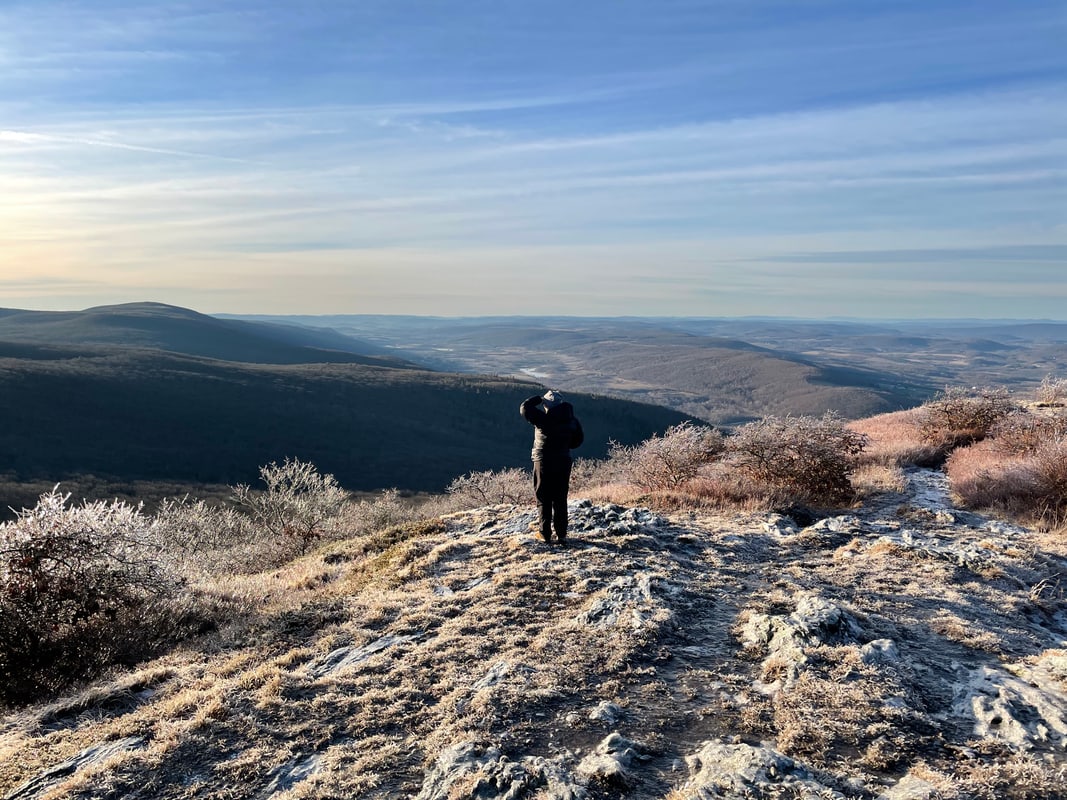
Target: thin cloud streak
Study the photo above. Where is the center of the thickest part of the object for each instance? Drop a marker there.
(30, 138)
(716, 135)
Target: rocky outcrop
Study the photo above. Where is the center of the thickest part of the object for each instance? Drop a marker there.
(815, 621)
(612, 761)
(721, 771)
(472, 770)
(41, 784)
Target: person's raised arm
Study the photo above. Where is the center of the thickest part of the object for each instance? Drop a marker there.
(531, 410)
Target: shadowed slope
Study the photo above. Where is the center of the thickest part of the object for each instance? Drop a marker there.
(149, 415)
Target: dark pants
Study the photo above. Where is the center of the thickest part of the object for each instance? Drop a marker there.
(552, 478)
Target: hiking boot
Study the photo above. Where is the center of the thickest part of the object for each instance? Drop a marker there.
(561, 537)
(547, 536)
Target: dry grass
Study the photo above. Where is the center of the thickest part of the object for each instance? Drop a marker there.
(985, 477)
(837, 703)
(896, 440)
(872, 479)
(492, 637)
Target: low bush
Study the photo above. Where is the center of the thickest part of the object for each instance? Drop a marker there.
(386, 509)
(80, 588)
(589, 473)
(1052, 391)
(1050, 479)
(491, 487)
(1026, 433)
(205, 539)
(299, 503)
(1022, 470)
(808, 458)
(668, 461)
(959, 416)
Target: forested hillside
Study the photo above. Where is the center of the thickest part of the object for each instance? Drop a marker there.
(147, 415)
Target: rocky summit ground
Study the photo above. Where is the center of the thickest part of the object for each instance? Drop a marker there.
(903, 650)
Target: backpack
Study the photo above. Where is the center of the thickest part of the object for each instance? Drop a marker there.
(577, 435)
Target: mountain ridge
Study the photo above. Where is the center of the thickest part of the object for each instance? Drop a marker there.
(170, 328)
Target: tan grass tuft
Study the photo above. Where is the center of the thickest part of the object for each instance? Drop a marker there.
(896, 440)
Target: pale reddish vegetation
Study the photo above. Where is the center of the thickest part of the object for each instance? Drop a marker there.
(1031, 485)
(999, 453)
(896, 439)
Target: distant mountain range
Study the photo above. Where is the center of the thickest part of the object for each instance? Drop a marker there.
(728, 371)
(721, 379)
(153, 392)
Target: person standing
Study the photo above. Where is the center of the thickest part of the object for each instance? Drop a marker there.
(556, 431)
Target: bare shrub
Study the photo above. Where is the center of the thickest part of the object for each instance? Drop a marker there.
(1050, 478)
(298, 503)
(1026, 433)
(80, 588)
(1052, 391)
(670, 460)
(959, 416)
(810, 458)
(491, 487)
(984, 477)
(385, 510)
(388, 508)
(589, 473)
(203, 539)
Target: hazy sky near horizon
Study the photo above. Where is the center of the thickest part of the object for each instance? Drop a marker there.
(716, 157)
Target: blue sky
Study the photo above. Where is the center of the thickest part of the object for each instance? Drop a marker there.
(727, 157)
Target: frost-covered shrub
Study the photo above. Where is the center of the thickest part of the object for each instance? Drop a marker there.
(381, 512)
(960, 416)
(205, 539)
(588, 473)
(1052, 391)
(668, 461)
(80, 588)
(490, 487)
(1025, 433)
(810, 458)
(1050, 478)
(299, 503)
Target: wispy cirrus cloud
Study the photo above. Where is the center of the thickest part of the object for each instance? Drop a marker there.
(30, 138)
(692, 142)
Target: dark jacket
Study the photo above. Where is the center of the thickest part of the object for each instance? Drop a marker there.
(552, 434)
